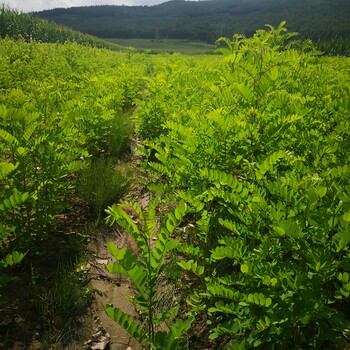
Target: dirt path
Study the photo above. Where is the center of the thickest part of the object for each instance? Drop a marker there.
(111, 288)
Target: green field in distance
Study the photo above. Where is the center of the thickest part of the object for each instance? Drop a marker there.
(186, 47)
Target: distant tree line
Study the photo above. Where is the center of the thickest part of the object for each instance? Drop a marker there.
(320, 20)
(23, 26)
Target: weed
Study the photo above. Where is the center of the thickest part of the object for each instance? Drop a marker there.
(119, 136)
(60, 303)
(102, 184)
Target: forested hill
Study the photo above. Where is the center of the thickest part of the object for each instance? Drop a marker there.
(208, 20)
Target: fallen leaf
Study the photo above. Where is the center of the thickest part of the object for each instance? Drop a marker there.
(102, 261)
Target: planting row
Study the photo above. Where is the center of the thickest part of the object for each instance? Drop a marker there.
(257, 144)
(63, 109)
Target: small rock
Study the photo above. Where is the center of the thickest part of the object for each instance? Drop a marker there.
(102, 261)
(99, 340)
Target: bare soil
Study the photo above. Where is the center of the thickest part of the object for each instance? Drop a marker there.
(110, 289)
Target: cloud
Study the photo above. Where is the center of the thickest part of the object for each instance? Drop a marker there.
(38, 5)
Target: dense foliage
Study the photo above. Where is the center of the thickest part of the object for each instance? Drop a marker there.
(258, 146)
(61, 107)
(247, 158)
(322, 20)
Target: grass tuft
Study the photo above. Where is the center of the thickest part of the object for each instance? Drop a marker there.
(102, 184)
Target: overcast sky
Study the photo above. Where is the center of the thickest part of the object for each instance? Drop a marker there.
(38, 5)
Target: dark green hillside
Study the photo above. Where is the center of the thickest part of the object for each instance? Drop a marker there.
(207, 20)
(17, 25)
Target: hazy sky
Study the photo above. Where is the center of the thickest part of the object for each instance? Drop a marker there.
(38, 5)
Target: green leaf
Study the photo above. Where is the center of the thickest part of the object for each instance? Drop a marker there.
(344, 292)
(219, 290)
(21, 151)
(10, 139)
(171, 223)
(321, 191)
(116, 268)
(12, 259)
(150, 222)
(180, 210)
(244, 268)
(125, 320)
(245, 91)
(262, 300)
(113, 249)
(273, 74)
(279, 230)
(6, 169)
(222, 253)
(273, 281)
(256, 199)
(346, 216)
(257, 343)
(192, 266)
(345, 277)
(170, 340)
(131, 265)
